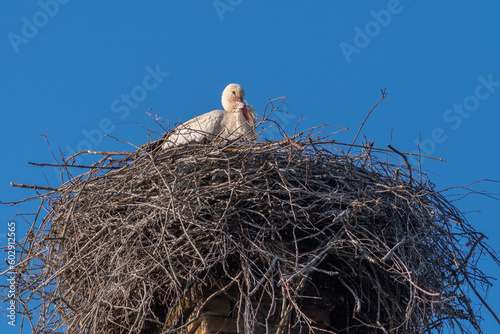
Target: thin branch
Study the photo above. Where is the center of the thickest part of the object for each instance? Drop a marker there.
(408, 166)
(384, 94)
(27, 186)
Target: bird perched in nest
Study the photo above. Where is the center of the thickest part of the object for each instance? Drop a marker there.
(236, 121)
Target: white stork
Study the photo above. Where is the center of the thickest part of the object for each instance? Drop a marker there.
(237, 120)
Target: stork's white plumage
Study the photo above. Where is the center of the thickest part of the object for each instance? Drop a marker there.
(237, 120)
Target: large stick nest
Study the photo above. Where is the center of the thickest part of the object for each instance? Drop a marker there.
(126, 246)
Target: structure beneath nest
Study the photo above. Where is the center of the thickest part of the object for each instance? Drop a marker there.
(261, 237)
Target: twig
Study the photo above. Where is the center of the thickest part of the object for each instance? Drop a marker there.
(71, 166)
(353, 293)
(384, 94)
(408, 166)
(27, 186)
(481, 299)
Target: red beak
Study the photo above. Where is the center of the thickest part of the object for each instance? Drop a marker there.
(245, 113)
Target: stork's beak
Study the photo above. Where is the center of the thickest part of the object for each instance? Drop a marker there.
(245, 113)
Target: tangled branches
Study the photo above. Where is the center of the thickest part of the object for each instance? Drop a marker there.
(142, 243)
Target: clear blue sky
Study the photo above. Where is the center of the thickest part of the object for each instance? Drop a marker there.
(80, 69)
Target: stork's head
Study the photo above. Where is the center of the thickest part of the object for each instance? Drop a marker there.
(232, 94)
(232, 101)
